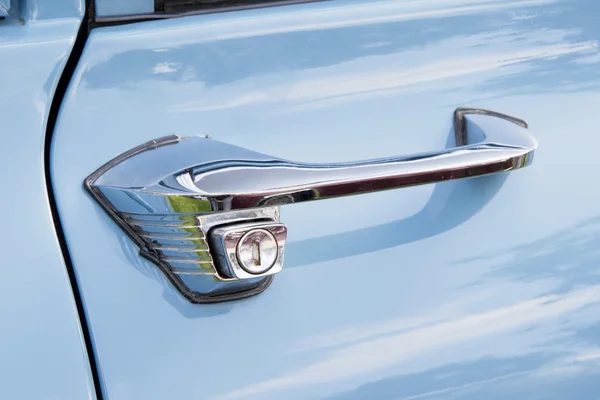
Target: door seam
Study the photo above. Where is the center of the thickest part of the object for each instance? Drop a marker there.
(59, 94)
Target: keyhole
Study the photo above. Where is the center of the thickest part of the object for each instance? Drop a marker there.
(256, 252)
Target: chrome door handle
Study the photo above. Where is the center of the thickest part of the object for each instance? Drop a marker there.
(192, 204)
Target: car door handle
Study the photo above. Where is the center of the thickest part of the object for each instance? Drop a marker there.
(249, 179)
(229, 197)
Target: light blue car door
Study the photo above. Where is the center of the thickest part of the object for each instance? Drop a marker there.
(483, 288)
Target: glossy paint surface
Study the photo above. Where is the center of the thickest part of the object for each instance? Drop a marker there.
(478, 289)
(42, 354)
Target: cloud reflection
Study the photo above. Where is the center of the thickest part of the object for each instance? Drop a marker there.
(371, 75)
(383, 352)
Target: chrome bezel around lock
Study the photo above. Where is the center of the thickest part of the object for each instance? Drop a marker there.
(225, 240)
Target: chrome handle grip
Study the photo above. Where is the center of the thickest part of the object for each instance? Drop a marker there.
(254, 180)
(168, 194)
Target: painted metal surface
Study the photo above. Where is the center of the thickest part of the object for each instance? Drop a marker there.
(123, 7)
(42, 354)
(47, 10)
(483, 288)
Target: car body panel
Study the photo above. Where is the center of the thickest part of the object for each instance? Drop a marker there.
(483, 288)
(42, 351)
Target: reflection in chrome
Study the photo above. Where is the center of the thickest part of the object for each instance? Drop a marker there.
(169, 193)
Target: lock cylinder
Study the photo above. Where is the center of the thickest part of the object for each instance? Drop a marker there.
(248, 250)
